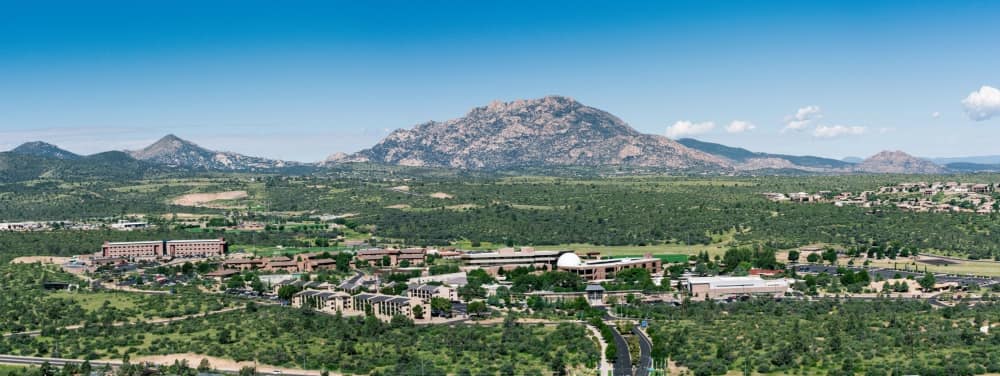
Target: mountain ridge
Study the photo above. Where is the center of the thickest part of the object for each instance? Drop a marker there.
(171, 150)
(750, 160)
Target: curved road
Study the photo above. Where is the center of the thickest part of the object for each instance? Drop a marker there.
(623, 362)
(645, 349)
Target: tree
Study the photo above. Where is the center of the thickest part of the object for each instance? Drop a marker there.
(235, 282)
(477, 308)
(204, 365)
(471, 291)
(257, 285)
(927, 282)
(248, 371)
(793, 256)
(287, 291)
(418, 311)
(813, 257)
(343, 261)
(830, 255)
(442, 305)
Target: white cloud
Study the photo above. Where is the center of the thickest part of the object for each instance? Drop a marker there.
(686, 128)
(831, 131)
(740, 126)
(983, 104)
(935, 114)
(803, 117)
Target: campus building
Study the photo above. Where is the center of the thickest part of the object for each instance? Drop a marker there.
(427, 292)
(605, 269)
(151, 250)
(510, 259)
(384, 307)
(324, 301)
(196, 248)
(391, 257)
(726, 287)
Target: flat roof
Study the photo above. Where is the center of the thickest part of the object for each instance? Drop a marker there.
(137, 243)
(512, 254)
(399, 300)
(737, 282)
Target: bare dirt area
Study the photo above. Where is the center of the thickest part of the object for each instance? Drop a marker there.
(40, 259)
(441, 195)
(205, 199)
(221, 364)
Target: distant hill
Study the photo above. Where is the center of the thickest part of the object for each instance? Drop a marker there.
(749, 160)
(112, 165)
(549, 131)
(898, 162)
(173, 151)
(853, 159)
(981, 160)
(973, 167)
(43, 149)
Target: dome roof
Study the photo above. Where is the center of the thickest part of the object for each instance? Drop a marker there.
(569, 259)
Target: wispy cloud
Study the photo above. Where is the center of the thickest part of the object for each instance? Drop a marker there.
(802, 117)
(832, 131)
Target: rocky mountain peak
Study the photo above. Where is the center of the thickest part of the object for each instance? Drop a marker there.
(175, 151)
(548, 131)
(898, 162)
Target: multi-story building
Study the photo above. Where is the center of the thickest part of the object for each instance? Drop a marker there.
(324, 301)
(384, 307)
(391, 257)
(426, 292)
(196, 248)
(149, 250)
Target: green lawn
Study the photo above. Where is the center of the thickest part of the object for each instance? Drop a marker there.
(93, 301)
(9, 369)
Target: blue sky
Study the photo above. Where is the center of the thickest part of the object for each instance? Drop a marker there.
(301, 82)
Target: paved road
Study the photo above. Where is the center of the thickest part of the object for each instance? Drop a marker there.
(623, 362)
(30, 360)
(645, 349)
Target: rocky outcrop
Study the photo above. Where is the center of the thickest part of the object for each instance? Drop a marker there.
(550, 131)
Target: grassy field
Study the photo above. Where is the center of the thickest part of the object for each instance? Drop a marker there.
(10, 369)
(94, 301)
(275, 251)
(967, 267)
